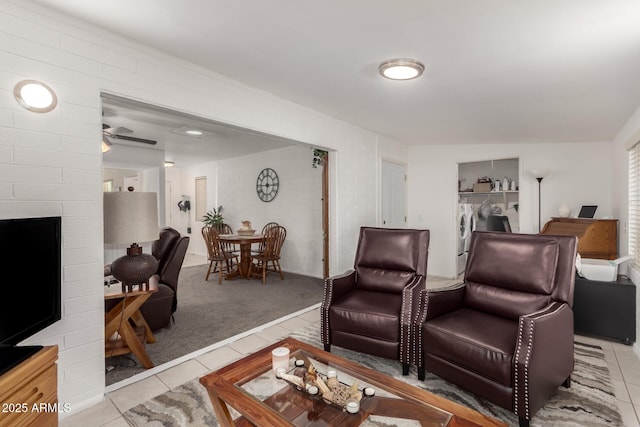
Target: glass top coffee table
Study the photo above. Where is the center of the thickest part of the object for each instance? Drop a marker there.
(247, 392)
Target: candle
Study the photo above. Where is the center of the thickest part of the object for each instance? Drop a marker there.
(332, 379)
(280, 370)
(353, 407)
(279, 358)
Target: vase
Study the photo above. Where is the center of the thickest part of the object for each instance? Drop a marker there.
(564, 210)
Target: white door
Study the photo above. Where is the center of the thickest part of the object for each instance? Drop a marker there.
(394, 195)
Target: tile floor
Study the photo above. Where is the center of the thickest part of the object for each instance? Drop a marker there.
(624, 365)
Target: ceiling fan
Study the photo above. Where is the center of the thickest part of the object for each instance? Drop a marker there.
(120, 132)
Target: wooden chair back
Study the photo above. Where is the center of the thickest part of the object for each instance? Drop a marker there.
(212, 240)
(268, 226)
(273, 240)
(225, 229)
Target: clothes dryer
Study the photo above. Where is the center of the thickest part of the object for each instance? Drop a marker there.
(462, 235)
(471, 220)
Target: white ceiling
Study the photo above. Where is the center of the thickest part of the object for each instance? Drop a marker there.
(495, 70)
(219, 141)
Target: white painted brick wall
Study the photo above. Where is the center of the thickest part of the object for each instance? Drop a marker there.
(79, 61)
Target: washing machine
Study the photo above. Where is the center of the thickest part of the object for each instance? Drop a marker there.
(463, 233)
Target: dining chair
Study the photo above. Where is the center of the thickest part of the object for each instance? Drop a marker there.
(266, 228)
(219, 259)
(269, 258)
(229, 247)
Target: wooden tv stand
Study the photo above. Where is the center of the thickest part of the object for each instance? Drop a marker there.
(33, 382)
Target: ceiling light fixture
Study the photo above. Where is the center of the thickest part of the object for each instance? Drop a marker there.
(401, 69)
(189, 131)
(35, 96)
(168, 164)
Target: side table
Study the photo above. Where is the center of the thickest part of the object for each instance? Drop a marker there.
(605, 309)
(121, 320)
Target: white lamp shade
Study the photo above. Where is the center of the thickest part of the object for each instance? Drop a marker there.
(130, 217)
(539, 173)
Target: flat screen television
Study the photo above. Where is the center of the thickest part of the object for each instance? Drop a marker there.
(30, 295)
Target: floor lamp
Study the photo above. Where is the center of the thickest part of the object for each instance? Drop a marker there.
(539, 175)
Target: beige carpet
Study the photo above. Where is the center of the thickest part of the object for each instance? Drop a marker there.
(208, 313)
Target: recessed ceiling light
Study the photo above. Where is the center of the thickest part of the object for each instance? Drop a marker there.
(401, 69)
(168, 164)
(189, 131)
(35, 96)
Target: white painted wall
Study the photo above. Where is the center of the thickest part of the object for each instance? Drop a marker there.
(581, 174)
(297, 206)
(51, 164)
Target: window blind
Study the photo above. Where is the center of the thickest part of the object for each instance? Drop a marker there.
(634, 204)
(201, 197)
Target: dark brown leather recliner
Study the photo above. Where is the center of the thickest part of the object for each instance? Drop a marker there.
(370, 309)
(170, 250)
(506, 332)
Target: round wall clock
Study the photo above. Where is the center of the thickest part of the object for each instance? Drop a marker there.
(267, 185)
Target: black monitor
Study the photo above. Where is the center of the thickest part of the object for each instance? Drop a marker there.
(31, 294)
(587, 211)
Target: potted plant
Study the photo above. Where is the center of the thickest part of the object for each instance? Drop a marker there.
(213, 217)
(319, 157)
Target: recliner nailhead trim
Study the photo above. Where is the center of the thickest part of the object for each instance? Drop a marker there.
(522, 324)
(405, 352)
(326, 302)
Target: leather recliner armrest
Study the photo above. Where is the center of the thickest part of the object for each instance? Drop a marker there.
(436, 302)
(431, 304)
(336, 287)
(543, 357)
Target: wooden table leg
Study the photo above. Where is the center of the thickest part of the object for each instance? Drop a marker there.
(221, 410)
(132, 341)
(139, 320)
(117, 320)
(245, 259)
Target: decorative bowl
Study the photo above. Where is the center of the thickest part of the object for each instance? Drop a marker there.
(246, 232)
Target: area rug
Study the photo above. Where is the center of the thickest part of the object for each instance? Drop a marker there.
(589, 402)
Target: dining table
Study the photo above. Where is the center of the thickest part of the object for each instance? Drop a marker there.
(245, 243)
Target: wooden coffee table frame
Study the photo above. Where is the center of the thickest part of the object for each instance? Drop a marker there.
(222, 386)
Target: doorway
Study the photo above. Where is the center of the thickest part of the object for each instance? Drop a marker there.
(164, 140)
(394, 194)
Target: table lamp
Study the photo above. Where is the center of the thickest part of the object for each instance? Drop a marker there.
(130, 218)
